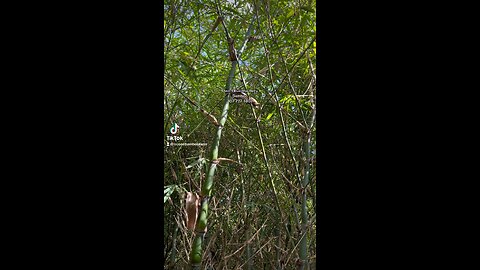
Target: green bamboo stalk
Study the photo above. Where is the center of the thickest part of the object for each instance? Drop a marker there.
(248, 255)
(196, 255)
(201, 225)
(303, 252)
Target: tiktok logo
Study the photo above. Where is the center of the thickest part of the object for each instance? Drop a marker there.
(174, 128)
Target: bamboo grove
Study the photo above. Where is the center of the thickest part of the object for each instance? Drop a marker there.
(239, 106)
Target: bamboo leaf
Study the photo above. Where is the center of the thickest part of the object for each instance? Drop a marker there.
(290, 13)
(234, 11)
(197, 162)
(307, 8)
(167, 192)
(269, 115)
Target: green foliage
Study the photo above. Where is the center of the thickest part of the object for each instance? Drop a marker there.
(265, 143)
(170, 189)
